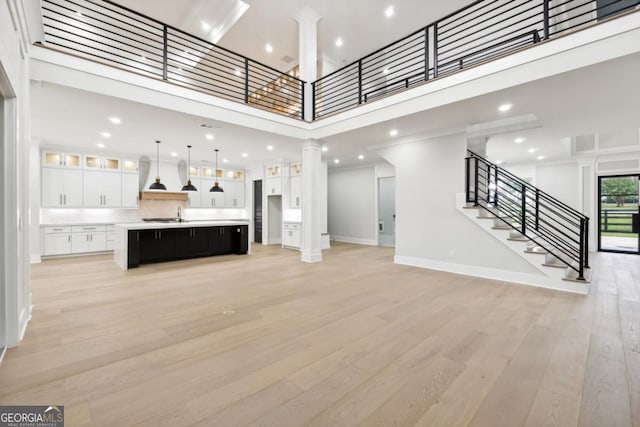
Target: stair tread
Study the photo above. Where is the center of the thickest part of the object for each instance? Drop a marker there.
(554, 265)
(506, 227)
(518, 239)
(537, 252)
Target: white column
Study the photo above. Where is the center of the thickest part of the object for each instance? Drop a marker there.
(308, 53)
(311, 202)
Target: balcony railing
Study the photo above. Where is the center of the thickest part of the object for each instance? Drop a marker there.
(110, 33)
(477, 33)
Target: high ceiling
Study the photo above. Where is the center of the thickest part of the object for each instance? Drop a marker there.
(361, 24)
(601, 98)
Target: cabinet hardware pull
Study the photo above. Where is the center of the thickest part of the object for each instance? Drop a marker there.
(137, 236)
(69, 238)
(65, 199)
(61, 199)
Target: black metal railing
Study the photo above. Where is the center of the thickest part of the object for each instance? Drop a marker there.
(545, 220)
(477, 33)
(113, 34)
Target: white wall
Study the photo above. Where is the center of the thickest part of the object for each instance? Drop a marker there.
(14, 172)
(352, 205)
(430, 232)
(560, 181)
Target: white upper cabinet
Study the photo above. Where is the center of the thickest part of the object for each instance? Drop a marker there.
(75, 180)
(102, 163)
(61, 188)
(102, 189)
(60, 159)
(295, 185)
(130, 193)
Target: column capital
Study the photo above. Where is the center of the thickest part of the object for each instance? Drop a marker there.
(307, 15)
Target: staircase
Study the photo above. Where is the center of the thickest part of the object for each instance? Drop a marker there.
(545, 232)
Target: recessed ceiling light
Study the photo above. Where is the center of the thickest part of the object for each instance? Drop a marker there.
(245, 155)
(238, 72)
(268, 48)
(505, 107)
(498, 162)
(325, 148)
(210, 137)
(540, 157)
(79, 13)
(531, 150)
(339, 41)
(204, 125)
(393, 132)
(336, 161)
(143, 57)
(105, 134)
(115, 120)
(100, 145)
(270, 147)
(174, 154)
(388, 12)
(519, 140)
(205, 25)
(387, 70)
(361, 157)
(225, 160)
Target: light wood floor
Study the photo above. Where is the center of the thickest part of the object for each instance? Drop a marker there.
(265, 340)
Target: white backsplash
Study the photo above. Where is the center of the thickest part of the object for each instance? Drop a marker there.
(81, 216)
(148, 209)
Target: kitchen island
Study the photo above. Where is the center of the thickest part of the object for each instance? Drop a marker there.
(148, 242)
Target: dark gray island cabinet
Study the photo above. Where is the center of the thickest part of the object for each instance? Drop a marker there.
(140, 245)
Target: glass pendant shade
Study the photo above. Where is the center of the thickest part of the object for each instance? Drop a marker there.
(157, 185)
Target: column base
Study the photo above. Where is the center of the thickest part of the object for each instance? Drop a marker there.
(311, 257)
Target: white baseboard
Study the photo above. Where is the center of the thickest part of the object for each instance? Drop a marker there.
(311, 257)
(356, 240)
(36, 259)
(540, 281)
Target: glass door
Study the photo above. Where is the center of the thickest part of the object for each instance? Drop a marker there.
(618, 214)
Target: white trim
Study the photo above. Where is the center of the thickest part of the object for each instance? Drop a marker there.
(356, 240)
(311, 257)
(539, 281)
(36, 259)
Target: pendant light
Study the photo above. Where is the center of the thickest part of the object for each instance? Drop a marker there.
(216, 188)
(189, 186)
(157, 185)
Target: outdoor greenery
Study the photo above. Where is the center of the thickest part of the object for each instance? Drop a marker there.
(620, 191)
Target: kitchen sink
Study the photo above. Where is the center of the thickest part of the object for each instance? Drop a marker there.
(164, 220)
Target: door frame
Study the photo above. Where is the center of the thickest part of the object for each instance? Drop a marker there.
(599, 213)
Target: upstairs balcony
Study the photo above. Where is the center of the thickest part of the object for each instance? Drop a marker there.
(481, 32)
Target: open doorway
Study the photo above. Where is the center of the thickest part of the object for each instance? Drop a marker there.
(274, 220)
(618, 214)
(387, 211)
(257, 211)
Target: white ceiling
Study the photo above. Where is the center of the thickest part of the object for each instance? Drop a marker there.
(601, 98)
(361, 24)
(67, 117)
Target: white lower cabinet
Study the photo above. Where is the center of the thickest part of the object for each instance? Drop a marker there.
(291, 235)
(77, 239)
(56, 240)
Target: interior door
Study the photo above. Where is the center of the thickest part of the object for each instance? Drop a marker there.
(387, 211)
(619, 214)
(257, 211)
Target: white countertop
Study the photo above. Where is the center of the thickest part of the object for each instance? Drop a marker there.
(150, 225)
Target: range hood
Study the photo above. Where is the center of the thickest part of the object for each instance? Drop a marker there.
(164, 195)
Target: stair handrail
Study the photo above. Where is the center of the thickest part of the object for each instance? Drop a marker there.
(552, 229)
(529, 185)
